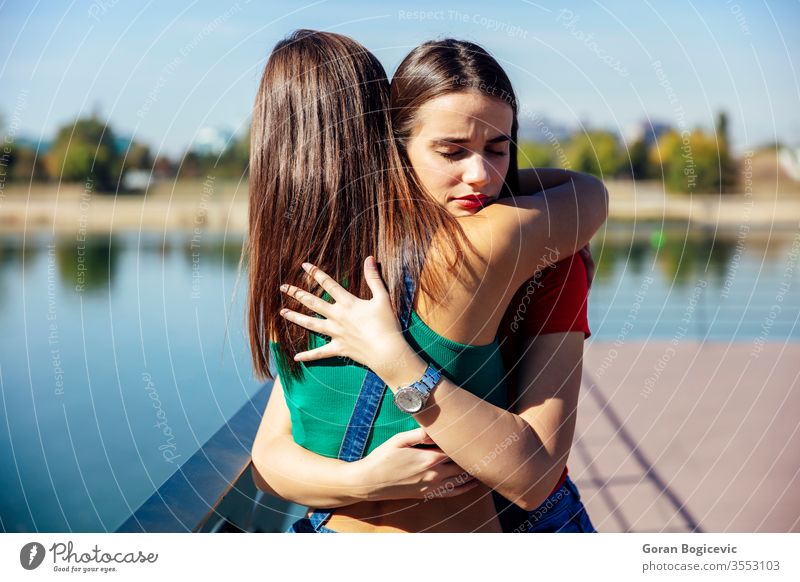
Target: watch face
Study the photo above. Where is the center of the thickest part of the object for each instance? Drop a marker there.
(408, 399)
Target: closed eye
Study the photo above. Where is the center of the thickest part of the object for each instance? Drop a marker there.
(452, 155)
(496, 153)
(460, 152)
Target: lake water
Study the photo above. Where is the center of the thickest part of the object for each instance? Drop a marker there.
(115, 365)
(674, 283)
(113, 373)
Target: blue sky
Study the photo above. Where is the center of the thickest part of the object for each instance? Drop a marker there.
(162, 70)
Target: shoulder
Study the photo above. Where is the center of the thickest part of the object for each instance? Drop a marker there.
(512, 238)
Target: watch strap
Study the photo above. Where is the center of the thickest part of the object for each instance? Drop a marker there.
(429, 380)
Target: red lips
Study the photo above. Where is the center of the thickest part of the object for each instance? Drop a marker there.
(472, 201)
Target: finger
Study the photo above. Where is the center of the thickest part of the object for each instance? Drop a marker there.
(373, 277)
(320, 353)
(427, 441)
(311, 301)
(314, 324)
(332, 288)
(434, 458)
(410, 438)
(417, 436)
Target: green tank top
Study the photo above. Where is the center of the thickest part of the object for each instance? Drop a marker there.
(323, 400)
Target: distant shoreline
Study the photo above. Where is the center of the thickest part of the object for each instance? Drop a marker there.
(188, 206)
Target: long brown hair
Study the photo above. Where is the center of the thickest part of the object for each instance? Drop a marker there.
(327, 186)
(440, 67)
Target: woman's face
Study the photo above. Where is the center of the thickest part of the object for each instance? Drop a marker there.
(460, 149)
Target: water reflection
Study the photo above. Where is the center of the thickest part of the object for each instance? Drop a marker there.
(213, 253)
(12, 257)
(13, 254)
(682, 256)
(91, 265)
(88, 266)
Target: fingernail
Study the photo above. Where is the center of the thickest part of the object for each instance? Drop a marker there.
(284, 287)
(283, 311)
(306, 266)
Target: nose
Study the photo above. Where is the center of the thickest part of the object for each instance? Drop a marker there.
(476, 171)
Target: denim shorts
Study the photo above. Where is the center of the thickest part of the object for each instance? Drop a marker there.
(562, 512)
(304, 525)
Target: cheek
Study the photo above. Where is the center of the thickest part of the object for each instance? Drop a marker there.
(501, 167)
(437, 172)
(446, 173)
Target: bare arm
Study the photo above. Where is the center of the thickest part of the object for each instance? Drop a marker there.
(394, 470)
(517, 237)
(536, 180)
(548, 385)
(520, 455)
(497, 446)
(285, 469)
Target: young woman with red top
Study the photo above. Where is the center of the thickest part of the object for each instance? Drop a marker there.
(547, 313)
(474, 132)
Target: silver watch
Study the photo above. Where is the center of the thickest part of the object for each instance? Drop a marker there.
(412, 398)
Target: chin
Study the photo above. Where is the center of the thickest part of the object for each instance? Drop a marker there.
(459, 211)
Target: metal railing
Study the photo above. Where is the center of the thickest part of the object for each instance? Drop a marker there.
(214, 491)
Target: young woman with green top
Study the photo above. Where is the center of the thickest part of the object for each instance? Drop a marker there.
(328, 183)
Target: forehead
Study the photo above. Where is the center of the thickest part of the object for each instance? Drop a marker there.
(468, 112)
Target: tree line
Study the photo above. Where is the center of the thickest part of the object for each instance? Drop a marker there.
(88, 149)
(687, 161)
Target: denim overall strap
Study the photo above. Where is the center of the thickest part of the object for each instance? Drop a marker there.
(367, 405)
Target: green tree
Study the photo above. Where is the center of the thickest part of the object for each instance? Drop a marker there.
(231, 163)
(695, 161)
(533, 154)
(235, 159)
(7, 154)
(138, 157)
(638, 165)
(29, 166)
(85, 150)
(729, 170)
(194, 165)
(18, 162)
(689, 162)
(596, 152)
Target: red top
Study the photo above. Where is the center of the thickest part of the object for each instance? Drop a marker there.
(552, 302)
(558, 303)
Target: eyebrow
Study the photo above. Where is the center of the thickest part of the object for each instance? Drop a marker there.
(458, 140)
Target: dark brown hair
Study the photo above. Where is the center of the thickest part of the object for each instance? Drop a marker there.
(327, 186)
(440, 67)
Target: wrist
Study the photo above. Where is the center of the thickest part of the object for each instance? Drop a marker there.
(408, 367)
(358, 479)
